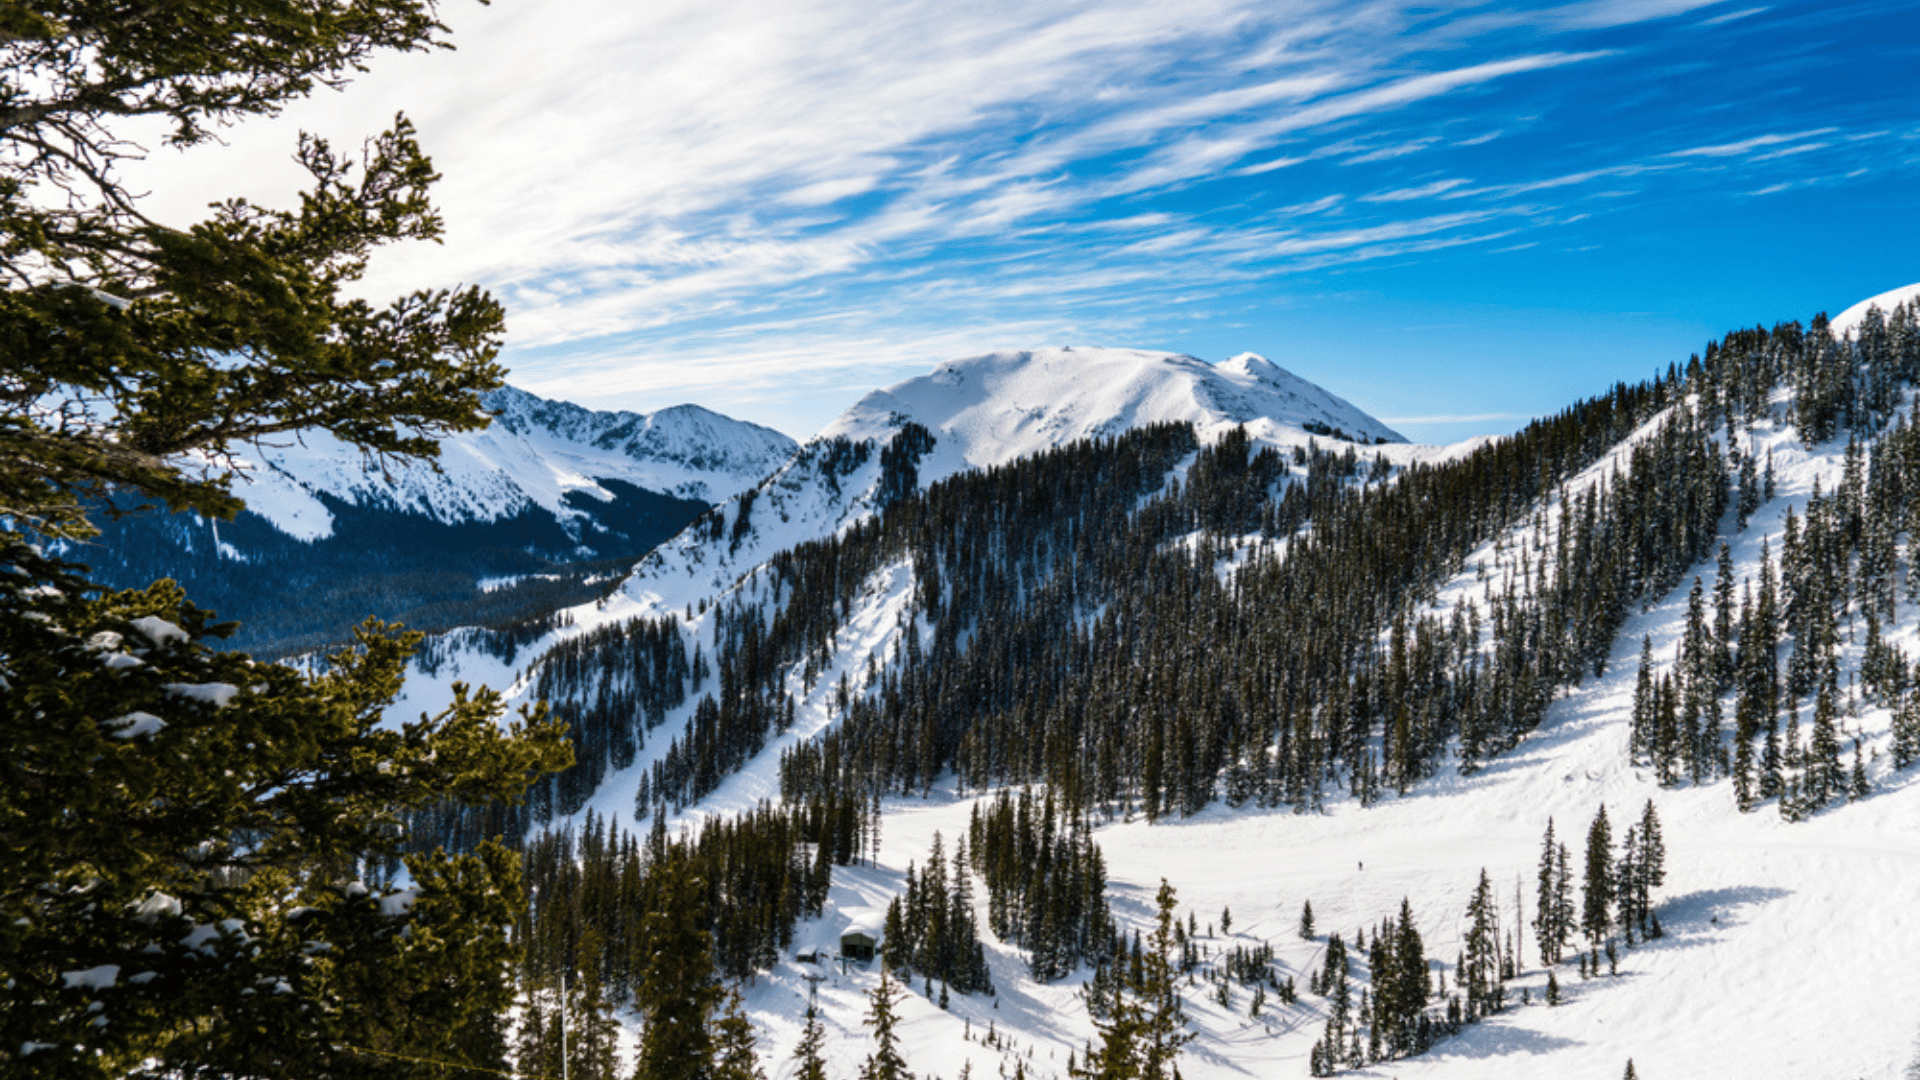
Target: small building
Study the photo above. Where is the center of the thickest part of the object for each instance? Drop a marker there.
(861, 939)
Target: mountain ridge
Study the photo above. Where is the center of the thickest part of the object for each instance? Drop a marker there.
(986, 411)
(536, 453)
(537, 511)
(990, 408)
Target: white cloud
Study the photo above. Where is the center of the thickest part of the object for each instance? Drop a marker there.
(1423, 191)
(1736, 149)
(1732, 16)
(665, 187)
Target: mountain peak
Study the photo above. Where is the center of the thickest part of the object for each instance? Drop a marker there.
(1256, 366)
(989, 409)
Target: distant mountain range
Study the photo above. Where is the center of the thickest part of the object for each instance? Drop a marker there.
(509, 523)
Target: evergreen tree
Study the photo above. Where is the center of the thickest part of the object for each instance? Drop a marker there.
(156, 786)
(1648, 871)
(1598, 896)
(183, 342)
(733, 1053)
(1906, 729)
(1823, 779)
(885, 1063)
(677, 992)
(811, 1065)
(571, 1022)
(1165, 1018)
(1306, 920)
(1551, 927)
(1122, 1031)
(1481, 973)
(134, 818)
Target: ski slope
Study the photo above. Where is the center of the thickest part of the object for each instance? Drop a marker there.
(1786, 943)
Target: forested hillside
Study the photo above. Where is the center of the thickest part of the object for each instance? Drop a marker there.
(1150, 627)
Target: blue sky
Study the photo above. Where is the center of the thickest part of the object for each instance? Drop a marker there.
(1457, 218)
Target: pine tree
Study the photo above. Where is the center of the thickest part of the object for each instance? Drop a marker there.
(1597, 904)
(1651, 870)
(1480, 973)
(1165, 1018)
(733, 1053)
(1906, 729)
(1563, 896)
(1823, 778)
(1122, 1030)
(181, 342)
(140, 821)
(678, 992)
(885, 1063)
(573, 1020)
(811, 1065)
(156, 785)
(1550, 931)
(1306, 920)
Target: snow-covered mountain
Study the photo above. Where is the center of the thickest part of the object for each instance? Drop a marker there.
(505, 525)
(988, 410)
(1783, 927)
(550, 457)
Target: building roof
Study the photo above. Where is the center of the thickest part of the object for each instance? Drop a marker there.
(871, 923)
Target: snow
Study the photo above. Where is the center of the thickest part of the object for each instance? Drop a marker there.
(988, 410)
(135, 725)
(1849, 320)
(217, 694)
(536, 453)
(159, 631)
(1779, 936)
(94, 978)
(394, 905)
(204, 935)
(156, 906)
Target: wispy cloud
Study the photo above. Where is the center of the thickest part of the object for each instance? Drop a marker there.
(1424, 191)
(715, 193)
(1732, 16)
(1743, 146)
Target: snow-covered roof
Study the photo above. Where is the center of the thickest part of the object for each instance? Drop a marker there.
(871, 923)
